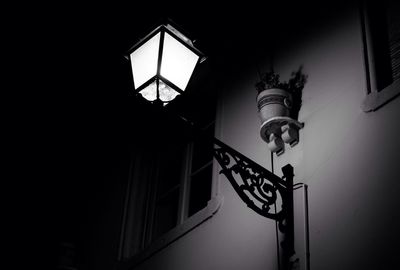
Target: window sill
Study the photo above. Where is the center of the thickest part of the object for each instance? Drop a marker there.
(375, 100)
(209, 211)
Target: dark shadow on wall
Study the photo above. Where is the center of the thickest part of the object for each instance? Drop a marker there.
(297, 82)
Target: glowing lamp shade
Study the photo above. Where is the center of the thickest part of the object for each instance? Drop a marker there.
(162, 64)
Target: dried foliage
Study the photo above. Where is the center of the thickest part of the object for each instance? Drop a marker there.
(271, 79)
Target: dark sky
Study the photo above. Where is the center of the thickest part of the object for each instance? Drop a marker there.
(85, 77)
(84, 44)
(80, 82)
(82, 97)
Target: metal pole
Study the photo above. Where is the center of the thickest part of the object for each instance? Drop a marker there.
(306, 228)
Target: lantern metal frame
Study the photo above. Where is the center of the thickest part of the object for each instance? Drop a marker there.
(178, 34)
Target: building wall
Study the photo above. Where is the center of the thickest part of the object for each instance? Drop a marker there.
(348, 159)
(235, 237)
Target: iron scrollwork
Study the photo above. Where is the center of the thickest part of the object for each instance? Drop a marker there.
(260, 189)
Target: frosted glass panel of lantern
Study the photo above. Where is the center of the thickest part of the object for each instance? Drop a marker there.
(150, 92)
(144, 61)
(166, 93)
(178, 62)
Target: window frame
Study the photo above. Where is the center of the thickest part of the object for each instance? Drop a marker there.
(185, 222)
(375, 98)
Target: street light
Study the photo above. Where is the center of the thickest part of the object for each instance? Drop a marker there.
(162, 64)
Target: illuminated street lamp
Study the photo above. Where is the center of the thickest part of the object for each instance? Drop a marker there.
(162, 64)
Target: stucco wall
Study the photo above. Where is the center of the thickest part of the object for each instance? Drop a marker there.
(348, 158)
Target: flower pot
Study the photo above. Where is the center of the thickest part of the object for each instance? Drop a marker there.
(274, 111)
(272, 103)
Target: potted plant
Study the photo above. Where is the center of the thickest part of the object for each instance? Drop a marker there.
(276, 98)
(278, 105)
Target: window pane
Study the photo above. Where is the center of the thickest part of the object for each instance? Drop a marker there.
(202, 154)
(150, 92)
(170, 171)
(200, 190)
(393, 17)
(379, 44)
(165, 216)
(144, 61)
(166, 92)
(203, 150)
(178, 62)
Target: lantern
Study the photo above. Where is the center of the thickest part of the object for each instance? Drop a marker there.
(162, 64)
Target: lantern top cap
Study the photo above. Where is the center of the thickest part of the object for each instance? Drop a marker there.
(168, 26)
(179, 34)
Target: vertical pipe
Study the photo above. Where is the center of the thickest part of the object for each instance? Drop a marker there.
(306, 228)
(288, 242)
(276, 222)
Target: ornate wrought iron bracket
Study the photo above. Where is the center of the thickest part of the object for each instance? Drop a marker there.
(259, 188)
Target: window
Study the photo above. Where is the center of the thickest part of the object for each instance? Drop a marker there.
(171, 190)
(381, 39)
